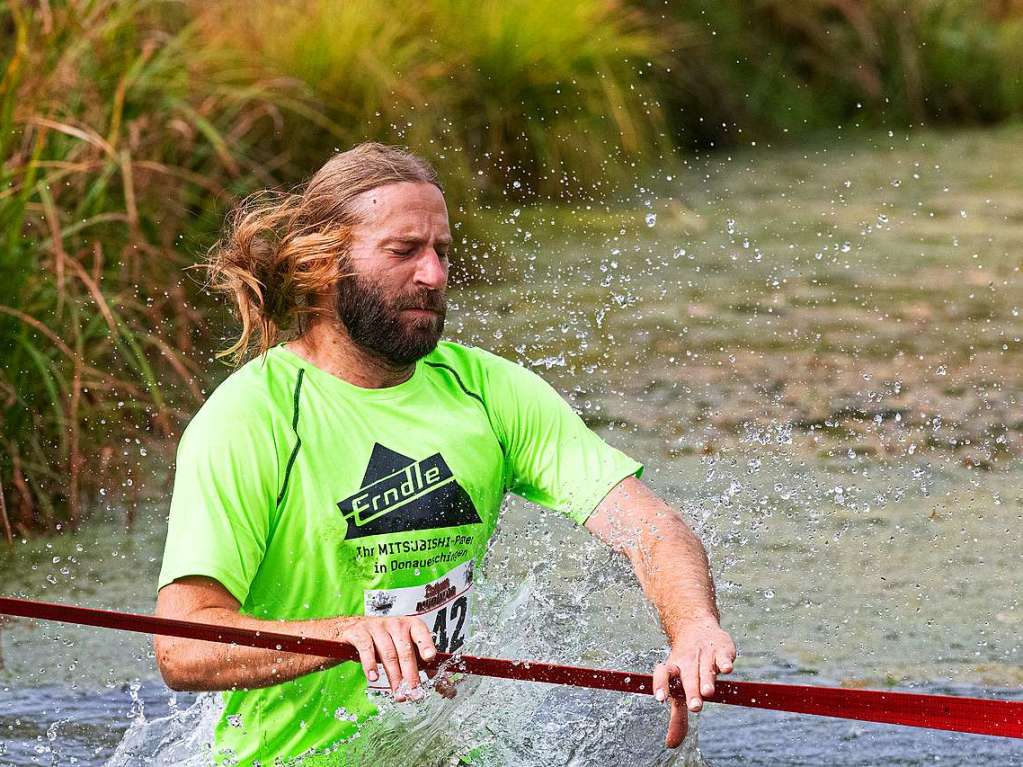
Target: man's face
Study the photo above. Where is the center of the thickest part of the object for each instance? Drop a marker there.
(395, 302)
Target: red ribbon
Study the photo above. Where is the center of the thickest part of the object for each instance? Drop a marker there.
(982, 716)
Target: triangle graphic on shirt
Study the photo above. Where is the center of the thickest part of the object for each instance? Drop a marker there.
(400, 494)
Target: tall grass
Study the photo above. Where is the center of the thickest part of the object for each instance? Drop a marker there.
(529, 97)
(119, 151)
(786, 67)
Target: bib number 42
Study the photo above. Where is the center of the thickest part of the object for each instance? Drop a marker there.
(449, 625)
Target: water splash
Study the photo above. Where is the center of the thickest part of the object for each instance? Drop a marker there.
(183, 738)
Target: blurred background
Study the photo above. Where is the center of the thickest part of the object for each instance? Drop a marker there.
(773, 249)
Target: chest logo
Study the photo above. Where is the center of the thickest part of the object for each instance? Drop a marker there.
(400, 494)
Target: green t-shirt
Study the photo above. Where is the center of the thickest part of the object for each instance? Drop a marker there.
(309, 497)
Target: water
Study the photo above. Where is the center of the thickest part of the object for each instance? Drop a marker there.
(820, 368)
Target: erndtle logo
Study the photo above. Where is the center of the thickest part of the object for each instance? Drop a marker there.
(390, 492)
(400, 494)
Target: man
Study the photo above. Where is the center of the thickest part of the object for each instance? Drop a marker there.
(344, 484)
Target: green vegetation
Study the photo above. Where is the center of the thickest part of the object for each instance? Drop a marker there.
(542, 94)
(784, 67)
(128, 127)
(119, 153)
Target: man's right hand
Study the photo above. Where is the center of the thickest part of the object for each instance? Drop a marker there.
(390, 641)
(191, 664)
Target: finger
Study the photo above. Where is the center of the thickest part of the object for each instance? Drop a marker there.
(725, 657)
(424, 640)
(662, 676)
(389, 657)
(691, 682)
(363, 643)
(678, 724)
(406, 653)
(707, 674)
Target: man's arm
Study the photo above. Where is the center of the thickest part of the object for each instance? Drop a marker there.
(189, 664)
(672, 568)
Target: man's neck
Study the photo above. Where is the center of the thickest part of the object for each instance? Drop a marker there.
(328, 347)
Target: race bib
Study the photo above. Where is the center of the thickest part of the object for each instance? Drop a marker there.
(443, 605)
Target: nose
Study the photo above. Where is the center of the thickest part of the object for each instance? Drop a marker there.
(431, 270)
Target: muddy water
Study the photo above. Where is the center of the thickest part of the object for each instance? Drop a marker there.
(816, 354)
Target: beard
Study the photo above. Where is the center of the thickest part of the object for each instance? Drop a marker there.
(377, 323)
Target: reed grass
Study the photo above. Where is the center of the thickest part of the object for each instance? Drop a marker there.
(780, 68)
(118, 149)
(523, 97)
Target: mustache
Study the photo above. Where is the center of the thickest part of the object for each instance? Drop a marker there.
(435, 301)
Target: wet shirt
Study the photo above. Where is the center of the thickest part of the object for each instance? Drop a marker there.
(308, 497)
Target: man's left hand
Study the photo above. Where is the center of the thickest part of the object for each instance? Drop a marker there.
(700, 650)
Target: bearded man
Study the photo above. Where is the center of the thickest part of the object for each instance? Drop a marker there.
(344, 482)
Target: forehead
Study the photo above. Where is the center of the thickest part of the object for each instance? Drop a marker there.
(411, 207)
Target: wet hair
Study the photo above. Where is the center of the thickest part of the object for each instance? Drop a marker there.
(280, 250)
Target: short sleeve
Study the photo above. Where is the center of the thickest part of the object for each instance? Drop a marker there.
(224, 496)
(554, 459)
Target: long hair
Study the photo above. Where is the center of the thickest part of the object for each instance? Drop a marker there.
(280, 250)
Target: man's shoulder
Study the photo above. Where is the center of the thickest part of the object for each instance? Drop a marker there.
(494, 377)
(465, 358)
(254, 393)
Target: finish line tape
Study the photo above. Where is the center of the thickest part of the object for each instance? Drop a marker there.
(982, 716)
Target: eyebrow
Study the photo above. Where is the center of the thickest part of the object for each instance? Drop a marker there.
(409, 239)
